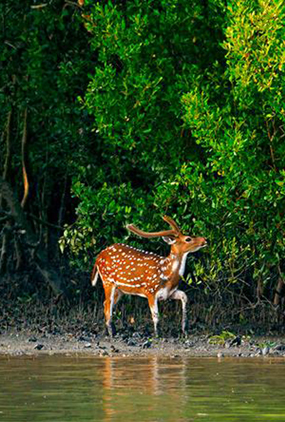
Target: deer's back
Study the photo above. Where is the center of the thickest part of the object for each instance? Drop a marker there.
(123, 264)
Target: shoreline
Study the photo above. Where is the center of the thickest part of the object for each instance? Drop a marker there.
(30, 343)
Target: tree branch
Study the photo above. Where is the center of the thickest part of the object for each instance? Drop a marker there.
(46, 223)
(6, 134)
(24, 167)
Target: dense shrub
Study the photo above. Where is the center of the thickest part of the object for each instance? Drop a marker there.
(214, 161)
(236, 115)
(147, 54)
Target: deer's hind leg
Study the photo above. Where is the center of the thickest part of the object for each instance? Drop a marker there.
(110, 292)
(152, 303)
(117, 296)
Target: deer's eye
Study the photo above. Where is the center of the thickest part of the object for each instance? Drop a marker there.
(188, 239)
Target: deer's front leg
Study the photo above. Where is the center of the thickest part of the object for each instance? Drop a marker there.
(180, 295)
(152, 302)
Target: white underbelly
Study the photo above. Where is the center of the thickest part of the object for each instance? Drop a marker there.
(165, 293)
(132, 293)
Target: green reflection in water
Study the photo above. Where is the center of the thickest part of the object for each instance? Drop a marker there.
(66, 389)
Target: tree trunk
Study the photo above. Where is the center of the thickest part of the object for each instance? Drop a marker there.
(4, 248)
(41, 261)
(259, 289)
(278, 291)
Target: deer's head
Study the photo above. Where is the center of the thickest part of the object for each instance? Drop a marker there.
(180, 243)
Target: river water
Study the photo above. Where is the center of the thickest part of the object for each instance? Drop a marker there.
(81, 389)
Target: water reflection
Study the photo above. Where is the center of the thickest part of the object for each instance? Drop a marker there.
(61, 389)
(140, 386)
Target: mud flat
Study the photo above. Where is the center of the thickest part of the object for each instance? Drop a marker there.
(32, 343)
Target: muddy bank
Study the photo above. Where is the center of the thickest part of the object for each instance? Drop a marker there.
(31, 343)
(34, 328)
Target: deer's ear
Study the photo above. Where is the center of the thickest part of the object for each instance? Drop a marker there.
(169, 240)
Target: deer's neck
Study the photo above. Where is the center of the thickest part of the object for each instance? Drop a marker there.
(177, 263)
(182, 264)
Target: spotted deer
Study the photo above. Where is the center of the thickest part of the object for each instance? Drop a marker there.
(124, 269)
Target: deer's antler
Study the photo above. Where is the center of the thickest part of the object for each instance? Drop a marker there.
(172, 223)
(141, 233)
(174, 232)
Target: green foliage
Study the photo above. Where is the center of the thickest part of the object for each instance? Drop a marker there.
(41, 73)
(270, 344)
(222, 338)
(236, 114)
(44, 61)
(95, 211)
(255, 48)
(146, 54)
(219, 168)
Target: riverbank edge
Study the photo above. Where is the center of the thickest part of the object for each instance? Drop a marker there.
(30, 343)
